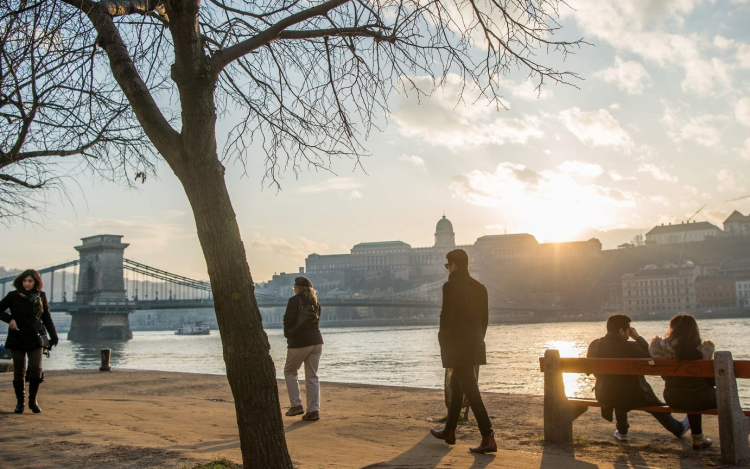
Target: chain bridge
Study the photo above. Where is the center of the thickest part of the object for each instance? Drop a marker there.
(102, 287)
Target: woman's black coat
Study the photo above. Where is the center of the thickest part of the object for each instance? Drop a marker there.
(463, 321)
(22, 311)
(309, 334)
(686, 393)
(619, 391)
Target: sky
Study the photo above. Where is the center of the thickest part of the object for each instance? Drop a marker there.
(658, 127)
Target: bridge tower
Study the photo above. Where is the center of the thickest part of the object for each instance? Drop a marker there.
(101, 289)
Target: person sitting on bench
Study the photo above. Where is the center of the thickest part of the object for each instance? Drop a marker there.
(625, 393)
(683, 342)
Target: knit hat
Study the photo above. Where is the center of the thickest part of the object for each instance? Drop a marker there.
(303, 282)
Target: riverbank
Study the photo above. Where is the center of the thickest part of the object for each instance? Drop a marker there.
(145, 419)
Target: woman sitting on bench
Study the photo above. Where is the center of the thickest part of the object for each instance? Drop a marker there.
(683, 342)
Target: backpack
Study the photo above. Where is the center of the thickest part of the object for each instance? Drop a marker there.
(308, 315)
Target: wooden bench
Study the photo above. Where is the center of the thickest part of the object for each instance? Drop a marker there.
(734, 425)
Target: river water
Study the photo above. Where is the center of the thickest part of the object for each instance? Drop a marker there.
(399, 356)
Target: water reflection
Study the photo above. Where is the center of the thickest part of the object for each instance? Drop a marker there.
(87, 354)
(576, 384)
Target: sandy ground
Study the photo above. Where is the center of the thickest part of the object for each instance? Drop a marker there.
(144, 419)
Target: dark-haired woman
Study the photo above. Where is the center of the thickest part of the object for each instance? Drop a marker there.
(683, 342)
(305, 345)
(28, 306)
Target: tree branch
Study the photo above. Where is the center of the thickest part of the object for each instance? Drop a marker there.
(156, 126)
(362, 31)
(224, 57)
(9, 178)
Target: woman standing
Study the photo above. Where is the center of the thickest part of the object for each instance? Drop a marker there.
(305, 345)
(29, 315)
(683, 342)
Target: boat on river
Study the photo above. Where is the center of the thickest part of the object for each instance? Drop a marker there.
(194, 328)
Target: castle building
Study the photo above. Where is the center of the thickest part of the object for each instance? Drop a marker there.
(406, 262)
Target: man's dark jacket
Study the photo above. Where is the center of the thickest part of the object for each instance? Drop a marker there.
(622, 392)
(308, 334)
(463, 321)
(22, 311)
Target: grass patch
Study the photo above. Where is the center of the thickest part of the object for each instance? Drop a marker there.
(222, 463)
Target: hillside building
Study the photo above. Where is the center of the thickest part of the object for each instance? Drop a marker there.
(737, 225)
(661, 289)
(682, 233)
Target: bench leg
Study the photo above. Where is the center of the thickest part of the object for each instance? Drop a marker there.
(558, 413)
(734, 426)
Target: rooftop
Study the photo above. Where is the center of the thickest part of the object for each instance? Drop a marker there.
(682, 228)
(737, 217)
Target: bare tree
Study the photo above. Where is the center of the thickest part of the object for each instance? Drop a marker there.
(57, 115)
(306, 79)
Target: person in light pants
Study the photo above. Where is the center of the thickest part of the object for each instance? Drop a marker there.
(305, 345)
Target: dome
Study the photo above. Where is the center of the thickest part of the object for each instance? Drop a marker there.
(444, 226)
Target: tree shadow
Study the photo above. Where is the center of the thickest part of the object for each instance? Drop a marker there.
(425, 454)
(555, 456)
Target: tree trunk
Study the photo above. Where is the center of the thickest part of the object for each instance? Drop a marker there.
(250, 369)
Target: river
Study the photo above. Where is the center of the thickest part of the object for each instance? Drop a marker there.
(399, 356)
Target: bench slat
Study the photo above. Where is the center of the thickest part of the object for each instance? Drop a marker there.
(665, 409)
(646, 366)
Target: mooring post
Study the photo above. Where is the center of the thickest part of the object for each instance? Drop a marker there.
(558, 418)
(106, 354)
(733, 425)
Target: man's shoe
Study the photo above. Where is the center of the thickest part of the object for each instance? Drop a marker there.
(446, 434)
(701, 442)
(488, 445)
(685, 427)
(311, 416)
(621, 436)
(296, 410)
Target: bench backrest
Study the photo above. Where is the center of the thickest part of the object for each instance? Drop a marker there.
(646, 366)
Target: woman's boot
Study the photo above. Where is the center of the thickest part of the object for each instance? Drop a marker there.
(33, 391)
(446, 434)
(701, 442)
(20, 396)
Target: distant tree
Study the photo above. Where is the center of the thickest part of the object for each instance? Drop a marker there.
(637, 240)
(56, 114)
(304, 80)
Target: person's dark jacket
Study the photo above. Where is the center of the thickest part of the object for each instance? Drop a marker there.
(463, 321)
(686, 393)
(618, 391)
(306, 335)
(22, 311)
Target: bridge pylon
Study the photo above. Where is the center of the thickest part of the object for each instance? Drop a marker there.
(101, 288)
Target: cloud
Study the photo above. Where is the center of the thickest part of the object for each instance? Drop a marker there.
(329, 185)
(645, 28)
(657, 172)
(701, 129)
(294, 248)
(146, 235)
(596, 128)
(614, 106)
(356, 195)
(414, 160)
(525, 90)
(551, 204)
(65, 224)
(745, 151)
(445, 119)
(629, 76)
(730, 181)
(580, 168)
(742, 111)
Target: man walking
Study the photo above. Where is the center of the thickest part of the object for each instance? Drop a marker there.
(463, 324)
(624, 393)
